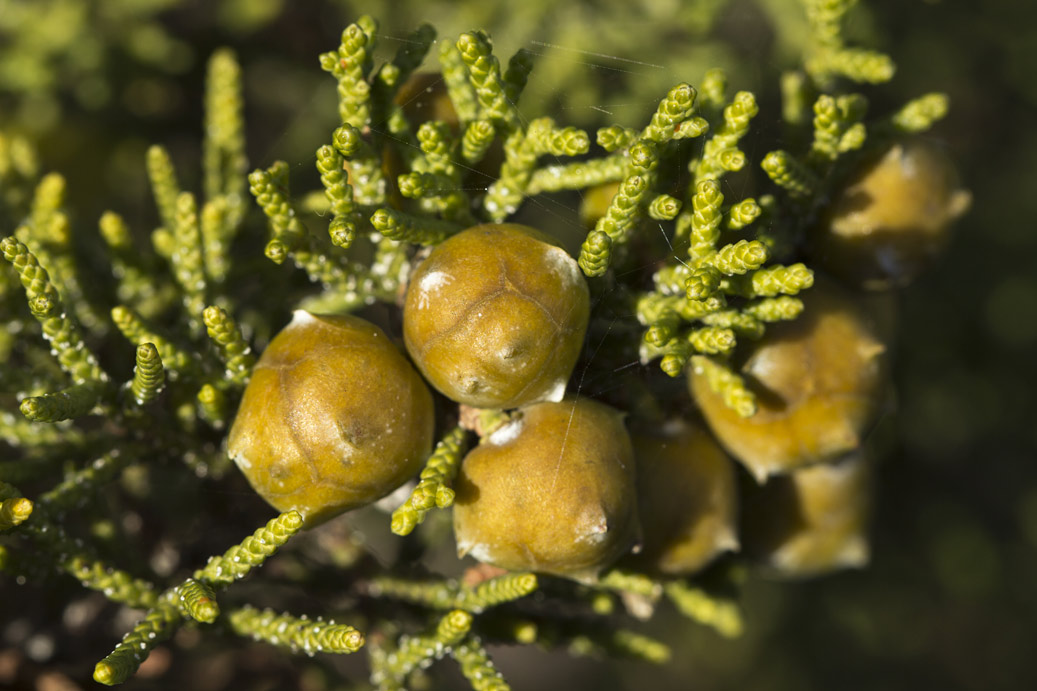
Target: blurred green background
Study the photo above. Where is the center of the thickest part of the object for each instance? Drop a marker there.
(950, 599)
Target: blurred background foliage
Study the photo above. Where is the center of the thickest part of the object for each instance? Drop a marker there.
(949, 600)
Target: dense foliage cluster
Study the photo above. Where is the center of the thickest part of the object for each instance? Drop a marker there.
(584, 477)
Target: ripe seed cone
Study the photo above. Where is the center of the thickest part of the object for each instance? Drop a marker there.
(495, 317)
(811, 521)
(333, 418)
(819, 383)
(892, 219)
(688, 499)
(552, 491)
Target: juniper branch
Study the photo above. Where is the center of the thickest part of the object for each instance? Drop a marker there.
(226, 334)
(434, 488)
(59, 328)
(297, 634)
(240, 559)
